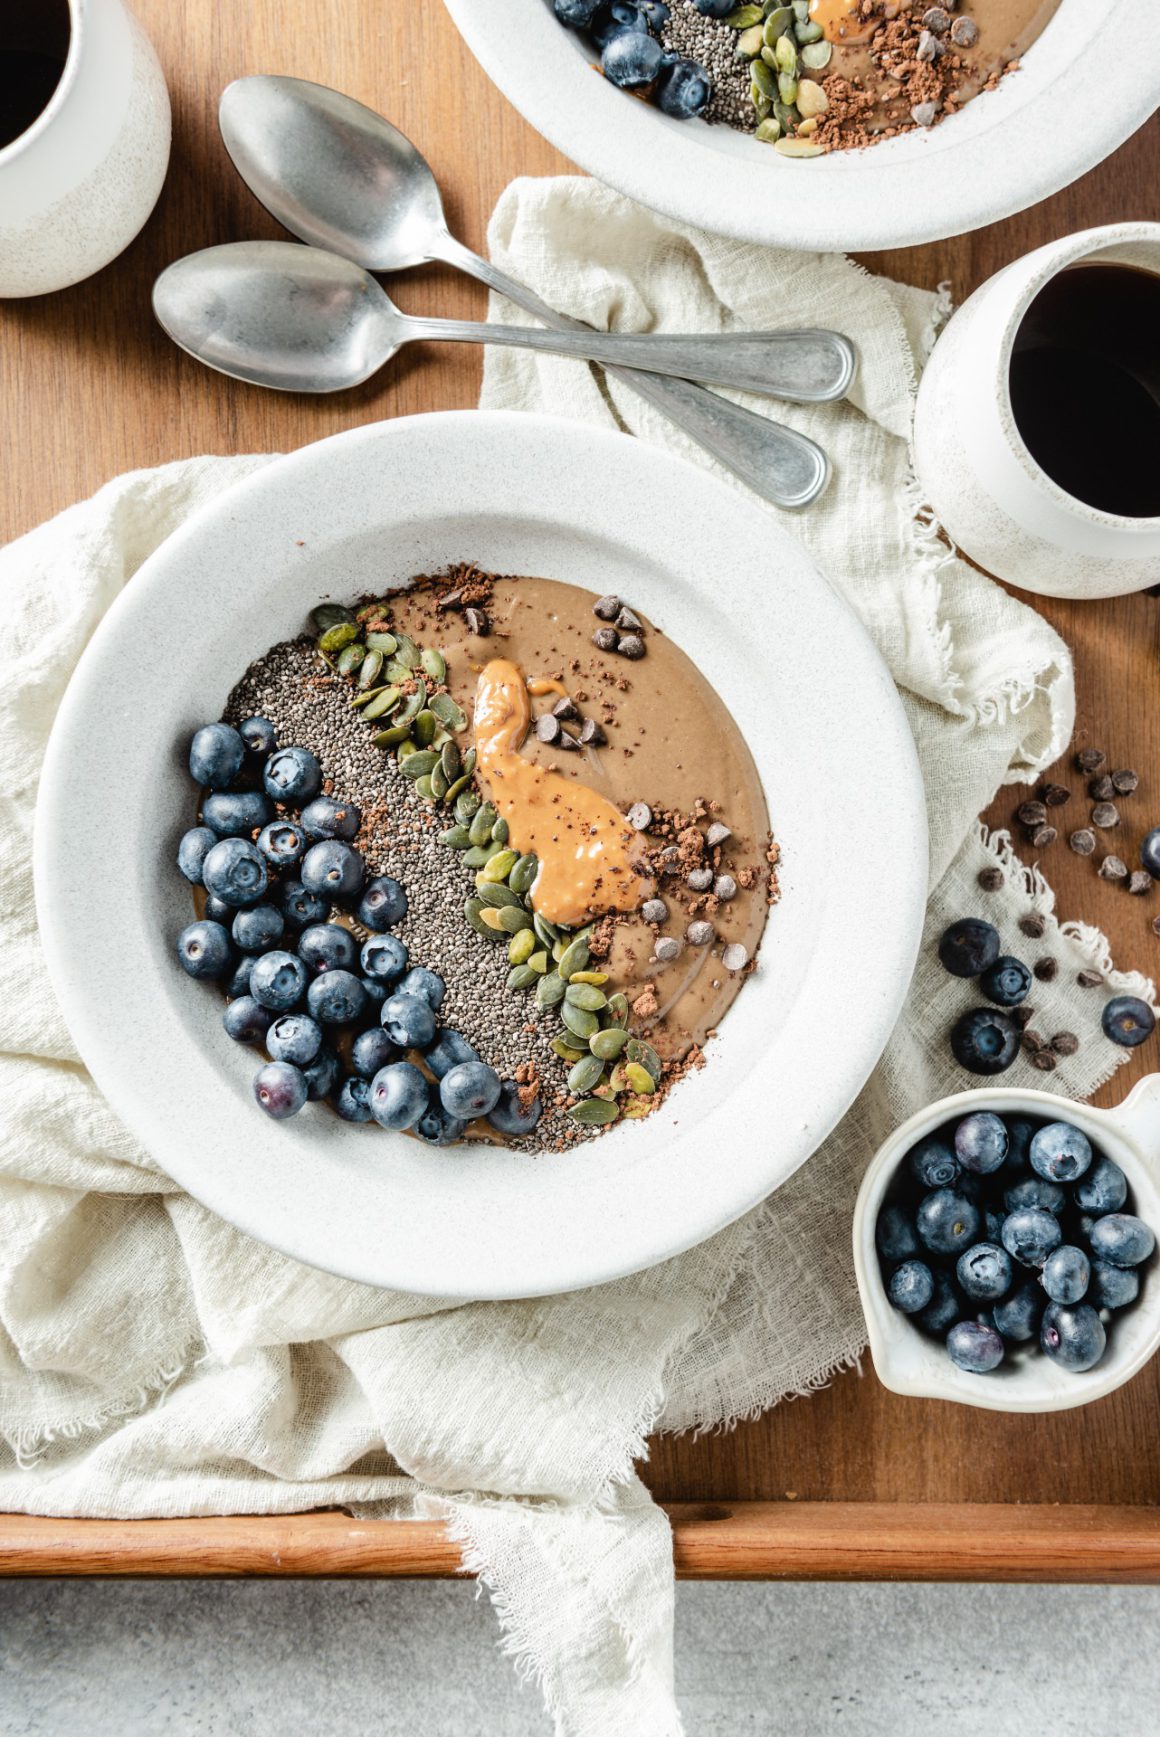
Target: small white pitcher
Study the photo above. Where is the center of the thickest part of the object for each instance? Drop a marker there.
(985, 488)
(79, 183)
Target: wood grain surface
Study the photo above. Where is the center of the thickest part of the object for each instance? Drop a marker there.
(90, 387)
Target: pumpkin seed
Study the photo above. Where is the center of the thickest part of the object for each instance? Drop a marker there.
(469, 761)
(748, 44)
(808, 127)
(393, 737)
(433, 664)
(424, 727)
(407, 748)
(500, 831)
(548, 932)
(565, 1051)
(585, 997)
(786, 115)
(811, 99)
(466, 804)
(636, 1108)
(378, 705)
(478, 855)
(438, 781)
(743, 18)
(617, 1009)
(799, 148)
(573, 958)
(787, 87)
(585, 1074)
(419, 763)
(763, 80)
(328, 615)
(489, 915)
(451, 761)
(482, 823)
(768, 131)
(603, 1091)
(495, 893)
(407, 652)
(457, 837)
(414, 703)
(343, 633)
(644, 1054)
(616, 1079)
(639, 1078)
(368, 673)
(809, 33)
(594, 1112)
(473, 911)
(456, 790)
(519, 977)
(424, 787)
(449, 712)
(501, 865)
(596, 977)
(521, 946)
(607, 1044)
(785, 55)
(550, 989)
(778, 19)
(515, 921)
(539, 961)
(578, 1019)
(801, 9)
(521, 878)
(349, 658)
(758, 97)
(398, 672)
(384, 642)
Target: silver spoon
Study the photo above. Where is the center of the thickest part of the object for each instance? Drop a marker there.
(303, 320)
(338, 175)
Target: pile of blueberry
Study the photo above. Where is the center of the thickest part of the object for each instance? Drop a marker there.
(1004, 1231)
(631, 57)
(336, 1016)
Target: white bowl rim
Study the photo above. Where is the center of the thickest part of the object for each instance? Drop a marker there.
(918, 188)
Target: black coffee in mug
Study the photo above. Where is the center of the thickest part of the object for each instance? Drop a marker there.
(34, 39)
(1085, 386)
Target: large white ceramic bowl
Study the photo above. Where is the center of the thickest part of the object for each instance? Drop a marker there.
(908, 1362)
(519, 494)
(1037, 132)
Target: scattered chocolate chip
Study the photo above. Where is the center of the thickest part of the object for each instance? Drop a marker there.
(477, 622)
(1022, 1015)
(1065, 1043)
(924, 114)
(592, 734)
(1031, 813)
(1032, 1041)
(451, 599)
(1156, 925)
(669, 860)
(1033, 924)
(1089, 979)
(725, 888)
(699, 934)
(654, 910)
(569, 743)
(1083, 842)
(929, 47)
(632, 646)
(937, 20)
(606, 639)
(1101, 789)
(639, 817)
(1043, 836)
(1123, 783)
(1044, 1061)
(717, 834)
(735, 957)
(964, 33)
(1055, 795)
(566, 708)
(1141, 882)
(547, 728)
(630, 622)
(607, 608)
(699, 880)
(667, 949)
(1112, 869)
(1105, 814)
(1090, 759)
(991, 879)
(1045, 969)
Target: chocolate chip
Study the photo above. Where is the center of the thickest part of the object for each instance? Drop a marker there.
(669, 860)
(1033, 1041)
(937, 20)
(569, 743)
(1043, 836)
(591, 734)
(1089, 979)
(477, 623)
(1090, 759)
(607, 608)
(632, 646)
(1123, 783)
(451, 599)
(654, 910)
(667, 949)
(1083, 842)
(1141, 882)
(1101, 789)
(1033, 924)
(1045, 969)
(964, 33)
(1044, 1061)
(639, 817)
(717, 834)
(929, 47)
(1055, 795)
(699, 934)
(1112, 869)
(626, 619)
(1065, 1043)
(991, 879)
(1105, 814)
(606, 639)
(1156, 925)
(1031, 813)
(566, 707)
(725, 888)
(924, 114)
(699, 880)
(547, 728)
(1021, 1016)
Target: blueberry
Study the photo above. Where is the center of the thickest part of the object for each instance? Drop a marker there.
(448, 1051)
(974, 1347)
(419, 981)
(278, 981)
(944, 1310)
(246, 1020)
(370, 1051)
(1030, 1234)
(215, 756)
(1113, 1287)
(384, 957)
(684, 88)
(613, 18)
(911, 1287)
(1103, 1189)
(217, 910)
(438, 1126)
(947, 1222)
(235, 813)
(257, 928)
(353, 1102)
(894, 1233)
(294, 1038)
(234, 871)
(655, 13)
(1018, 1316)
(981, 1142)
(1066, 1274)
(1072, 1337)
(985, 1041)
(333, 869)
(985, 1272)
(470, 1089)
(399, 1095)
(204, 950)
(1150, 853)
(408, 1021)
(336, 997)
(576, 14)
(509, 1116)
(282, 843)
(192, 851)
(1122, 1239)
(1128, 1021)
(326, 817)
(299, 907)
(328, 947)
(281, 1089)
(1007, 982)
(292, 776)
(969, 947)
(713, 8)
(239, 982)
(1060, 1153)
(376, 990)
(322, 1075)
(932, 1163)
(259, 737)
(383, 904)
(632, 60)
(1035, 1191)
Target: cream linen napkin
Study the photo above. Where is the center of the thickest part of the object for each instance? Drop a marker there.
(155, 1361)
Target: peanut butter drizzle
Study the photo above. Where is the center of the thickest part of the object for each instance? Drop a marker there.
(541, 685)
(588, 854)
(840, 21)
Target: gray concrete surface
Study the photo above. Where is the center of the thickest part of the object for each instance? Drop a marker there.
(266, 1659)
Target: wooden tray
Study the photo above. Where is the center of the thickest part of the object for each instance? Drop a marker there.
(853, 1483)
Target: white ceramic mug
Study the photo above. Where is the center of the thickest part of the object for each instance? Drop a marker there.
(77, 185)
(985, 488)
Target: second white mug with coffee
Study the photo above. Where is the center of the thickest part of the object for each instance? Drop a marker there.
(1037, 427)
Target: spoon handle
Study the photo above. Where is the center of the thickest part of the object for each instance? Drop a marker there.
(782, 466)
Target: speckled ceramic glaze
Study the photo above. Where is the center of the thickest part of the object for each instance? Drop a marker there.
(78, 185)
(975, 470)
(907, 1361)
(1000, 154)
(519, 494)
